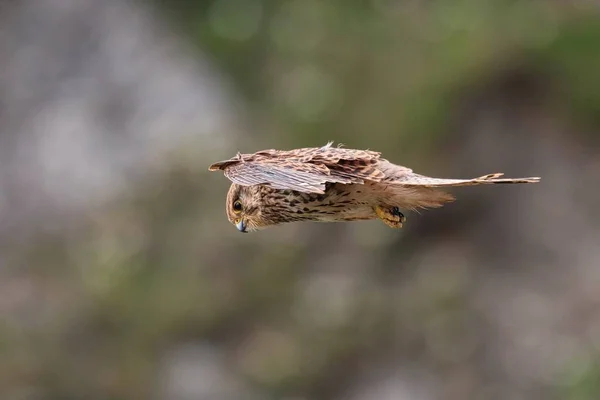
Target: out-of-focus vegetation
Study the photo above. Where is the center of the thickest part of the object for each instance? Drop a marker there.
(153, 294)
(395, 67)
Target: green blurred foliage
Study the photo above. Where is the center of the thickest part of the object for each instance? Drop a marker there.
(582, 381)
(395, 67)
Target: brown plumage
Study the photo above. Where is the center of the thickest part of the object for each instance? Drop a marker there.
(330, 184)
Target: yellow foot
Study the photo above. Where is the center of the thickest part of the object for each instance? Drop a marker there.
(391, 216)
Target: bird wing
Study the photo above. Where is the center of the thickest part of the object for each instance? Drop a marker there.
(421, 180)
(304, 170)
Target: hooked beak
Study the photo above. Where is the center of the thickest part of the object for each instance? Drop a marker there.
(241, 226)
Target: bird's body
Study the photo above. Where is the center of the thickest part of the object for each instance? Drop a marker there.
(330, 184)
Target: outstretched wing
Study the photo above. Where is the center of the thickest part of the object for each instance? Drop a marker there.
(421, 180)
(304, 170)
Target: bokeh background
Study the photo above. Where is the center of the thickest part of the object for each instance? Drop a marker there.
(121, 278)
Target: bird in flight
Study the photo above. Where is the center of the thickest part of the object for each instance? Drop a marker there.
(330, 184)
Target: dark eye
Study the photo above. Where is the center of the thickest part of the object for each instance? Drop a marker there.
(237, 206)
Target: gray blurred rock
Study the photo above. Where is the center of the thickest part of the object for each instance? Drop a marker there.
(199, 371)
(94, 94)
(394, 382)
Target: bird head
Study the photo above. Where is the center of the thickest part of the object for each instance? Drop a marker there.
(243, 208)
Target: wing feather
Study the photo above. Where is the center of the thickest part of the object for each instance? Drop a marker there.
(302, 177)
(304, 170)
(278, 176)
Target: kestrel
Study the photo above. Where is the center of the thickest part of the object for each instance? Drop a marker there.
(330, 184)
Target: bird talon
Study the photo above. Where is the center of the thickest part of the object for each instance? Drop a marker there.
(392, 217)
(396, 211)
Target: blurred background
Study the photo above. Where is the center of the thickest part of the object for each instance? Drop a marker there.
(121, 278)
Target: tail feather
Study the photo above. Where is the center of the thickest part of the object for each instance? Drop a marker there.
(413, 191)
(415, 197)
(425, 181)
